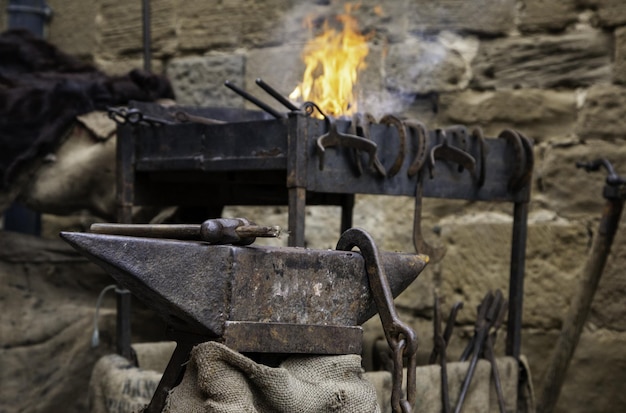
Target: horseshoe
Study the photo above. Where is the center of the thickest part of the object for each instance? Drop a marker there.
(390, 120)
(420, 156)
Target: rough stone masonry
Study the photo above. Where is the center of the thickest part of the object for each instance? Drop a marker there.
(555, 70)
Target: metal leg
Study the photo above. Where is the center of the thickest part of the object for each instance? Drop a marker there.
(347, 208)
(516, 282)
(123, 328)
(125, 176)
(297, 203)
(174, 371)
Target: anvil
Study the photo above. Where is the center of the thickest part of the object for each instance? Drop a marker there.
(254, 298)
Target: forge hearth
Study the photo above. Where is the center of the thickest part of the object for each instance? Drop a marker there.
(255, 159)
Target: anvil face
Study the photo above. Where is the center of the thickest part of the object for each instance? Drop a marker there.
(199, 287)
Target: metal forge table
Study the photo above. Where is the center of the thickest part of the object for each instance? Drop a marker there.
(255, 159)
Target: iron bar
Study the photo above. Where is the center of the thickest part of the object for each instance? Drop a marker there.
(516, 279)
(274, 93)
(147, 40)
(264, 106)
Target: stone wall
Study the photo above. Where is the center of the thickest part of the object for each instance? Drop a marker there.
(555, 70)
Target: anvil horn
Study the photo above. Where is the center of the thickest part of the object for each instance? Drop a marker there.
(198, 287)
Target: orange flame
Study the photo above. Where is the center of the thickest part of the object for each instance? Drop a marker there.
(333, 60)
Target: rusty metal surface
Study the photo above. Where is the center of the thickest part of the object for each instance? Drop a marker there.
(502, 176)
(197, 287)
(245, 336)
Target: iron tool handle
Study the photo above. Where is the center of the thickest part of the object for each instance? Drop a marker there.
(237, 231)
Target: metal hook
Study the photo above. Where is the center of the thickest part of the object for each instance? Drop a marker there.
(446, 152)
(335, 138)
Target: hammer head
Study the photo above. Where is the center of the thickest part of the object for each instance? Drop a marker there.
(198, 288)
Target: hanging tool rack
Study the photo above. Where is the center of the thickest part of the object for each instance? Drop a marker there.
(212, 157)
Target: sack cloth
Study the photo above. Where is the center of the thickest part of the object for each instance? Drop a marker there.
(220, 380)
(117, 386)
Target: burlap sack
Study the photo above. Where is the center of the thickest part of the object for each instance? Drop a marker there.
(220, 380)
(117, 386)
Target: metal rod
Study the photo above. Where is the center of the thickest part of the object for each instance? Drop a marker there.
(254, 100)
(516, 281)
(147, 44)
(123, 324)
(183, 116)
(125, 196)
(274, 93)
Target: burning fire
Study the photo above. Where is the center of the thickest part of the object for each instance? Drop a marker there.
(333, 60)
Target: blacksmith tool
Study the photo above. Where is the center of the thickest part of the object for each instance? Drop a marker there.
(256, 300)
(401, 338)
(334, 138)
(489, 354)
(264, 106)
(236, 231)
(447, 152)
(441, 340)
(182, 116)
(276, 95)
(488, 311)
(134, 116)
(441, 151)
(419, 243)
(615, 193)
(360, 126)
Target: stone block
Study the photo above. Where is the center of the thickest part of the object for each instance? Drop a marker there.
(419, 66)
(619, 66)
(610, 13)
(387, 21)
(595, 375)
(212, 25)
(124, 64)
(547, 15)
(539, 114)
(478, 260)
(72, 26)
(490, 17)
(199, 81)
(568, 191)
(120, 32)
(602, 115)
(543, 61)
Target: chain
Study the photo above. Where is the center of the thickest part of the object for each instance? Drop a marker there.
(401, 338)
(134, 116)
